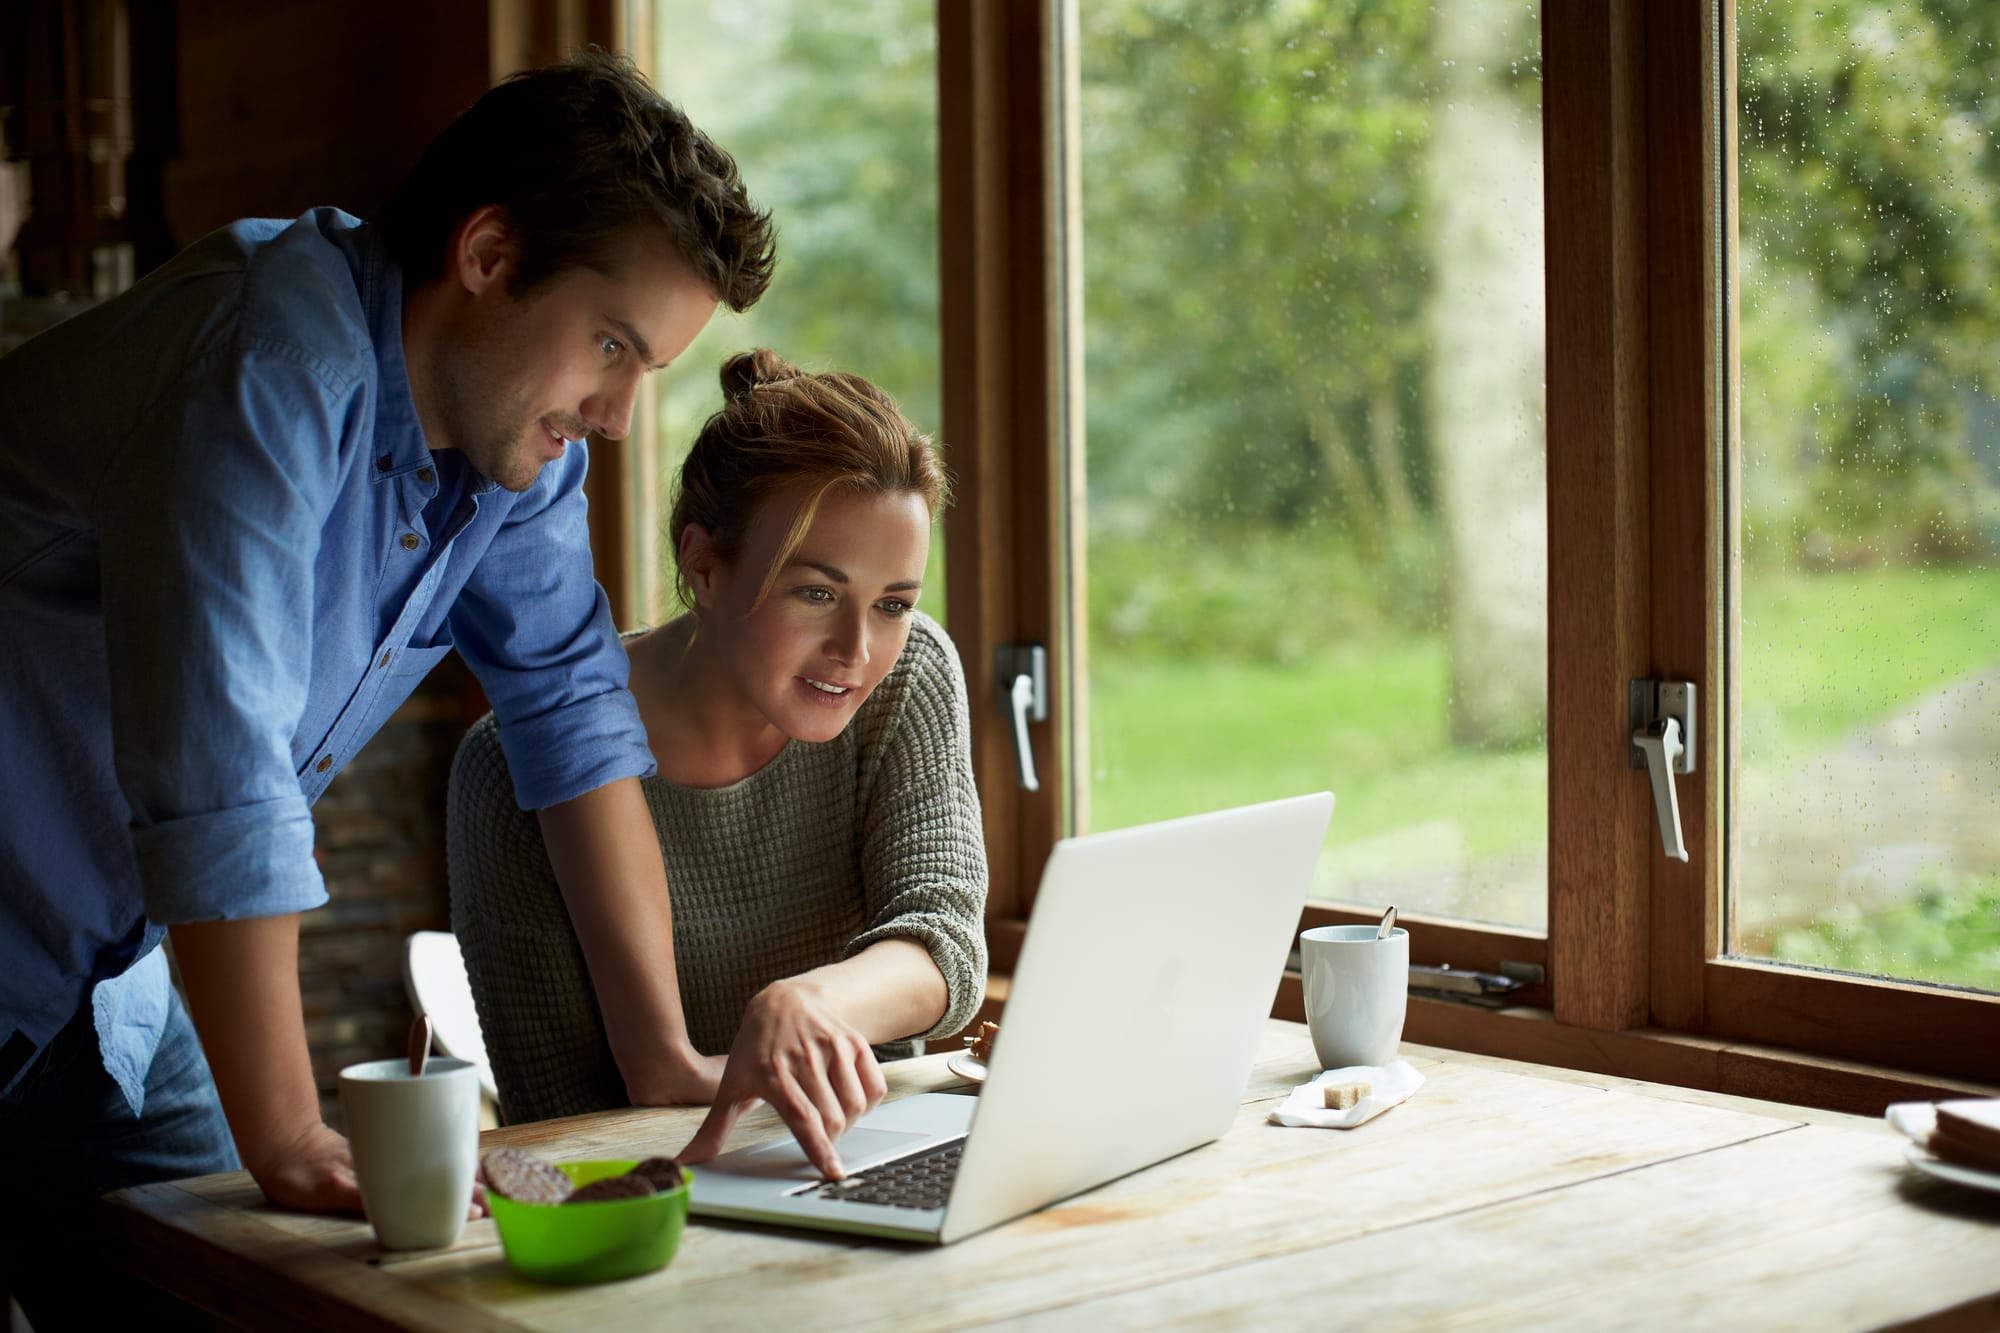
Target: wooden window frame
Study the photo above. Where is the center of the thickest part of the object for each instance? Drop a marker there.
(1638, 147)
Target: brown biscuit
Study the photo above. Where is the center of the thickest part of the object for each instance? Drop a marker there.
(662, 1173)
(524, 1177)
(629, 1186)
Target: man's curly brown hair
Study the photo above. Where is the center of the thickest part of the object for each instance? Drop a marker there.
(583, 156)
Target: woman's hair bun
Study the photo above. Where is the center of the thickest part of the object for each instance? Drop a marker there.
(746, 370)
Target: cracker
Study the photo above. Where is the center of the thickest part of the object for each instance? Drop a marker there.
(524, 1177)
(662, 1173)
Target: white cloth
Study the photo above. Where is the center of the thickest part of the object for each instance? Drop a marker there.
(1914, 1120)
(1388, 1085)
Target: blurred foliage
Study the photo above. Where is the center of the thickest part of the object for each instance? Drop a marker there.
(1870, 235)
(1948, 933)
(830, 110)
(1255, 239)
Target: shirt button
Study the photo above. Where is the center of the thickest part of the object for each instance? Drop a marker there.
(411, 541)
(384, 463)
(384, 662)
(424, 474)
(325, 762)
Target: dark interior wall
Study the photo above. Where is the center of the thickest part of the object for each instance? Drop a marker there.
(282, 107)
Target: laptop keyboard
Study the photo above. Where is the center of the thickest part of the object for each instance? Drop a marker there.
(922, 1181)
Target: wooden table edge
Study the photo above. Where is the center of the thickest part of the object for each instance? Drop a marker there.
(265, 1280)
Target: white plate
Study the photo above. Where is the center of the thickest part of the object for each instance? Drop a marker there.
(967, 1066)
(1952, 1171)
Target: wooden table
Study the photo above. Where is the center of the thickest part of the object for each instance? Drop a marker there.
(1503, 1195)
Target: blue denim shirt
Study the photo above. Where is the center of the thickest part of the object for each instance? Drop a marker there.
(226, 556)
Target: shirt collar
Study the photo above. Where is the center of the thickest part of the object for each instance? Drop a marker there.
(400, 446)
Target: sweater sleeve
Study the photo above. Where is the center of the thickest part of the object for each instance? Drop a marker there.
(923, 848)
(530, 984)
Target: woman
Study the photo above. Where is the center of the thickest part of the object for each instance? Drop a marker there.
(814, 800)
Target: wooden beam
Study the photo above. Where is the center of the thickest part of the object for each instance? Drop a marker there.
(1601, 831)
(998, 363)
(1682, 449)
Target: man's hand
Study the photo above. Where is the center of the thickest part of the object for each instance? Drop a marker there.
(313, 1173)
(811, 1065)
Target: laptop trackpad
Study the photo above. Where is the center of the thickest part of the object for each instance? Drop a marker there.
(783, 1159)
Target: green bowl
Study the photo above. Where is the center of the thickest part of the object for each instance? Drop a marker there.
(591, 1242)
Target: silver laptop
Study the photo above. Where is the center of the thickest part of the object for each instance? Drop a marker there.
(1149, 967)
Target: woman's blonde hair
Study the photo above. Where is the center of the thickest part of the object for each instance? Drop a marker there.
(782, 429)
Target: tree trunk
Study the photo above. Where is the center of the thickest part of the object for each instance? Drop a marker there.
(1486, 380)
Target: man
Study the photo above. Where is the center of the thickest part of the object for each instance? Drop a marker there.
(243, 509)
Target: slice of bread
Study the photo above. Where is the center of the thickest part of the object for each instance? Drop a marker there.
(1968, 1132)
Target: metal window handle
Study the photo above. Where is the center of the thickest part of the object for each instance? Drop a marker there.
(1662, 744)
(1662, 715)
(1021, 672)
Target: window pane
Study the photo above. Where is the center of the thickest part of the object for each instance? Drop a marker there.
(830, 109)
(1865, 819)
(1313, 516)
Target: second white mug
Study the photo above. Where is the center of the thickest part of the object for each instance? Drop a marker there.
(1356, 992)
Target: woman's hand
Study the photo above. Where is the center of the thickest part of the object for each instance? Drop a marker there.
(813, 1067)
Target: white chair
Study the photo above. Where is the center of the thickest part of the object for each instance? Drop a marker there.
(434, 976)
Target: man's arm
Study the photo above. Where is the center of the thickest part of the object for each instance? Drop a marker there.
(606, 857)
(537, 630)
(242, 984)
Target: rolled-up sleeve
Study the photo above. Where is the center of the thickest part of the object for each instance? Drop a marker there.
(208, 546)
(536, 629)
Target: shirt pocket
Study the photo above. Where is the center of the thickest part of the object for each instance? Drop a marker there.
(406, 670)
(412, 664)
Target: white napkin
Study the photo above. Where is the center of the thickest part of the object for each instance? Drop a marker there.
(1914, 1120)
(1387, 1085)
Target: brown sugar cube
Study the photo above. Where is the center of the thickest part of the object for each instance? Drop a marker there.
(627, 1186)
(662, 1173)
(524, 1177)
(1342, 1096)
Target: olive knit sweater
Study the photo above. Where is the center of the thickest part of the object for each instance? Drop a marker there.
(826, 849)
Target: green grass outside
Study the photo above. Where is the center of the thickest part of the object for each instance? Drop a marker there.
(1826, 654)
(1823, 655)
(1174, 739)
(1949, 935)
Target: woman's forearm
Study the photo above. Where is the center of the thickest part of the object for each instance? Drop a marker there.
(606, 857)
(890, 990)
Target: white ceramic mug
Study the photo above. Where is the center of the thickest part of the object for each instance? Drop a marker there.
(416, 1144)
(1357, 988)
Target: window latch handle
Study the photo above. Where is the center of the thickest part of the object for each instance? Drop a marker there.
(1662, 715)
(1021, 673)
(1662, 744)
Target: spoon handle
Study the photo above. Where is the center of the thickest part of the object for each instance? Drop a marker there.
(420, 1044)
(1388, 924)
